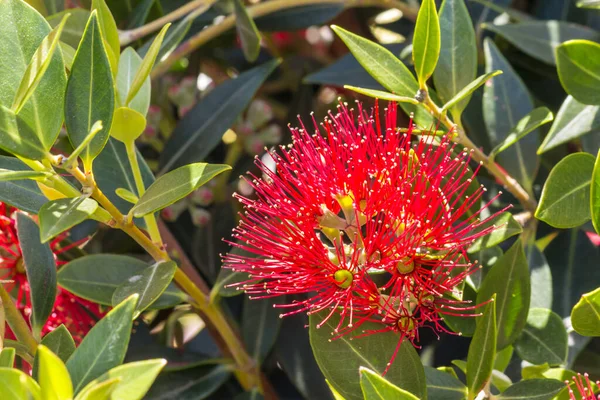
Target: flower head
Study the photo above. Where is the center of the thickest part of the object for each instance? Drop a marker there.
(584, 387)
(370, 222)
(78, 315)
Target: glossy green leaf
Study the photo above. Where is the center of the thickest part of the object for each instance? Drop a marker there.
(565, 199)
(480, 359)
(374, 387)
(8, 175)
(340, 359)
(578, 63)
(104, 347)
(100, 391)
(573, 120)
(37, 67)
(17, 385)
(544, 338)
(260, 326)
(540, 39)
(189, 384)
(129, 66)
(145, 67)
(127, 125)
(90, 94)
(526, 125)
(175, 185)
(585, 316)
(149, 284)
(22, 194)
(22, 30)
(457, 65)
(134, 379)
(468, 90)
(110, 34)
(53, 376)
(505, 102)
(540, 277)
(7, 356)
(60, 342)
(595, 194)
(41, 271)
(380, 63)
(509, 280)
(533, 389)
(426, 42)
(200, 131)
(443, 386)
(378, 94)
(247, 31)
(57, 216)
(506, 227)
(74, 27)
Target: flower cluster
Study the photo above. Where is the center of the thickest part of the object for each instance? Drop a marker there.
(372, 223)
(584, 387)
(78, 315)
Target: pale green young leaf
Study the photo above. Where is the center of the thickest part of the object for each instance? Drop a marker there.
(7, 354)
(466, 92)
(578, 63)
(129, 65)
(175, 185)
(146, 66)
(7, 175)
(480, 359)
(247, 31)
(17, 385)
(127, 125)
(426, 42)
(379, 94)
(585, 316)
(57, 216)
(60, 342)
(588, 3)
(53, 376)
(100, 391)
(127, 195)
(565, 199)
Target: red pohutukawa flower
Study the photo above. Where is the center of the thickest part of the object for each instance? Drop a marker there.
(371, 222)
(78, 315)
(584, 387)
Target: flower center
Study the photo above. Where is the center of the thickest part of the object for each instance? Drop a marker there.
(343, 278)
(405, 267)
(20, 266)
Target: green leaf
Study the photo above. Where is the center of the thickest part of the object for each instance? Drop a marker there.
(127, 195)
(578, 63)
(335, 393)
(145, 67)
(96, 278)
(37, 68)
(540, 39)
(16, 137)
(60, 342)
(540, 277)
(23, 194)
(57, 216)
(426, 42)
(127, 125)
(457, 65)
(134, 379)
(7, 356)
(380, 63)
(149, 285)
(90, 94)
(41, 271)
(74, 27)
(588, 3)
(53, 376)
(565, 199)
(191, 383)
(585, 316)
(375, 387)
(226, 278)
(104, 347)
(200, 131)
(526, 125)
(100, 391)
(378, 94)
(480, 360)
(17, 385)
(129, 66)
(505, 102)
(260, 326)
(175, 185)
(443, 386)
(503, 358)
(110, 34)
(573, 120)
(509, 280)
(466, 92)
(341, 358)
(506, 227)
(533, 389)
(544, 338)
(22, 30)
(595, 194)
(8, 175)
(247, 31)
(500, 381)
